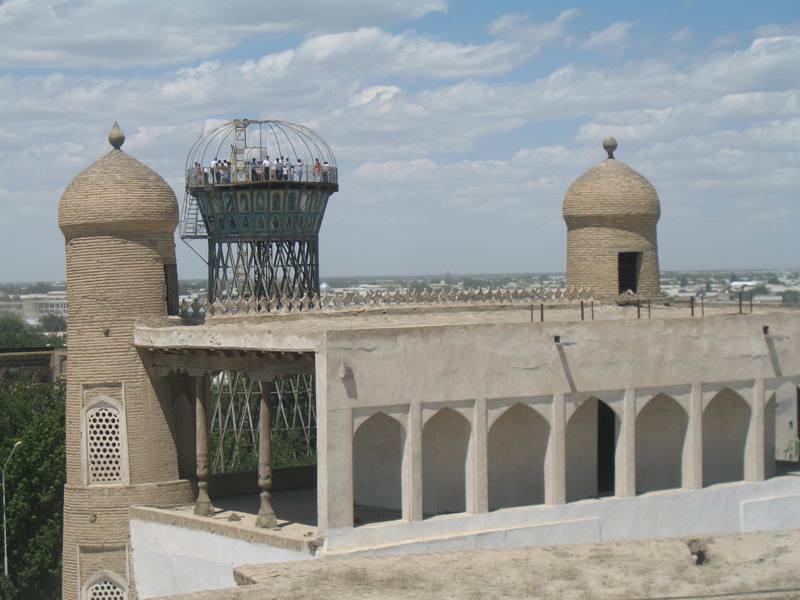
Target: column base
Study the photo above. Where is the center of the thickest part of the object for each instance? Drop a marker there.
(266, 521)
(203, 508)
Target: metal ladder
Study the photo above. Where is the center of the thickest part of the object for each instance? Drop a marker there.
(192, 226)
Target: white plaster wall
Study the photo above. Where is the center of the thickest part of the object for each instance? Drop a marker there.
(445, 449)
(378, 447)
(169, 559)
(468, 365)
(582, 452)
(719, 509)
(787, 409)
(660, 434)
(517, 446)
(725, 423)
(771, 514)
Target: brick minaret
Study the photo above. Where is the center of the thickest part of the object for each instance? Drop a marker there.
(118, 218)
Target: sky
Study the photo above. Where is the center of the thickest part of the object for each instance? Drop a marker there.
(457, 125)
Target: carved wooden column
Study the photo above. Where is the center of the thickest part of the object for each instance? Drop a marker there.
(202, 505)
(266, 516)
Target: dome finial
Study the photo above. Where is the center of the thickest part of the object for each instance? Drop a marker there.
(610, 145)
(115, 137)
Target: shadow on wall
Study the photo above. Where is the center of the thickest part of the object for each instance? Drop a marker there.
(517, 447)
(660, 437)
(725, 423)
(378, 464)
(445, 450)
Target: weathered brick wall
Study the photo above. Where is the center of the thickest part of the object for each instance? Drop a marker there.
(592, 250)
(97, 518)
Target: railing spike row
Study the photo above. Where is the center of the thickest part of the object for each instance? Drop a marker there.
(195, 311)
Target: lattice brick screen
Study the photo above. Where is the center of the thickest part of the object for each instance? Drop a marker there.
(105, 589)
(104, 447)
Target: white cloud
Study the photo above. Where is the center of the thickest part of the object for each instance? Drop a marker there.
(151, 33)
(681, 36)
(610, 39)
(518, 27)
(768, 64)
(408, 54)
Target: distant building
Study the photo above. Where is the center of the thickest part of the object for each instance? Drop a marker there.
(40, 364)
(34, 306)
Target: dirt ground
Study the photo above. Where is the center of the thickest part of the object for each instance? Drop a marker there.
(759, 565)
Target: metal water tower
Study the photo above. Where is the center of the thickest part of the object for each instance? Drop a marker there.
(257, 190)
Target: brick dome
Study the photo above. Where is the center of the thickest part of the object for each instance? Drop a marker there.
(117, 192)
(611, 214)
(611, 189)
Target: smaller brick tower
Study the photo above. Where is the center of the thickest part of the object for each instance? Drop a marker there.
(118, 218)
(611, 213)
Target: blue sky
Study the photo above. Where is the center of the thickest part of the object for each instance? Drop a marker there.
(458, 126)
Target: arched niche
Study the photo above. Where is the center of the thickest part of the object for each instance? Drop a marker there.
(517, 447)
(445, 463)
(378, 449)
(726, 420)
(591, 440)
(781, 432)
(660, 438)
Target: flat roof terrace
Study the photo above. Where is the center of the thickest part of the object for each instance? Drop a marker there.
(305, 331)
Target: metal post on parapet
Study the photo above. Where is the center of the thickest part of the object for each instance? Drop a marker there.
(582, 315)
(638, 309)
(691, 305)
(541, 311)
(592, 308)
(649, 314)
(703, 305)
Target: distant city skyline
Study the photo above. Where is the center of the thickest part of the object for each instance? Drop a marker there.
(458, 126)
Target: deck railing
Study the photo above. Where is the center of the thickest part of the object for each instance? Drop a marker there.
(249, 173)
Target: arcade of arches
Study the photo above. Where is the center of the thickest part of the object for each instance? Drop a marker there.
(619, 443)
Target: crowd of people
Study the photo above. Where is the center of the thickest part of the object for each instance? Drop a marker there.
(279, 169)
